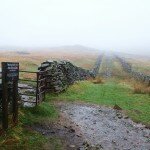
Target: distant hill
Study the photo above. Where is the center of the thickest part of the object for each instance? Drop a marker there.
(132, 55)
(73, 48)
(22, 52)
(68, 49)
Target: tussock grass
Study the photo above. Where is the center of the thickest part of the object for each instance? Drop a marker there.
(141, 89)
(98, 80)
(21, 138)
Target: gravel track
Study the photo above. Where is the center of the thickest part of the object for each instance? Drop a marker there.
(107, 128)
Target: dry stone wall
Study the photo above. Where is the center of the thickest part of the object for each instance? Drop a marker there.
(135, 74)
(61, 74)
(97, 65)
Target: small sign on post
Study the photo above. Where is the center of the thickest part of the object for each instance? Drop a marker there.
(11, 70)
(10, 75)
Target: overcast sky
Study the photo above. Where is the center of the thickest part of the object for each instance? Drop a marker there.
(105, 24)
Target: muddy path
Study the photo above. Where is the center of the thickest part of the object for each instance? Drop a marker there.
(84, 126)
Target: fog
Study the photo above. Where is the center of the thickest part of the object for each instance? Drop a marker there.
(118, 25)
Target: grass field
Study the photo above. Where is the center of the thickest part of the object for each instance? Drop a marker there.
(31, 60)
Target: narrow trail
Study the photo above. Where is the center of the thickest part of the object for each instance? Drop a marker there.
(107, 128)
(93, 127)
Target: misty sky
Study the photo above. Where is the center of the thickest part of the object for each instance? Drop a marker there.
(103, 24)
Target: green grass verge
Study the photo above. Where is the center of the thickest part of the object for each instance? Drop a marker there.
(137, 106)
(23, 137)
(40, 113)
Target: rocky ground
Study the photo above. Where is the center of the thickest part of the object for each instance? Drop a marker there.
(83, 126)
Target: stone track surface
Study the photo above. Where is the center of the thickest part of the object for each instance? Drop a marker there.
(107, 128)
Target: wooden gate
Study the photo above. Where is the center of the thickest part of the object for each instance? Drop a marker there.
(39, 86)
(9, 96)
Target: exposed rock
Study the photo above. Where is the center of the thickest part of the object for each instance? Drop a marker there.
(117, 107)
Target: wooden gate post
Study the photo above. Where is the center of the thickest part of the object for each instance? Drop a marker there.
(37, 88)
(10, 74)
(15, 102)
(4, 98)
